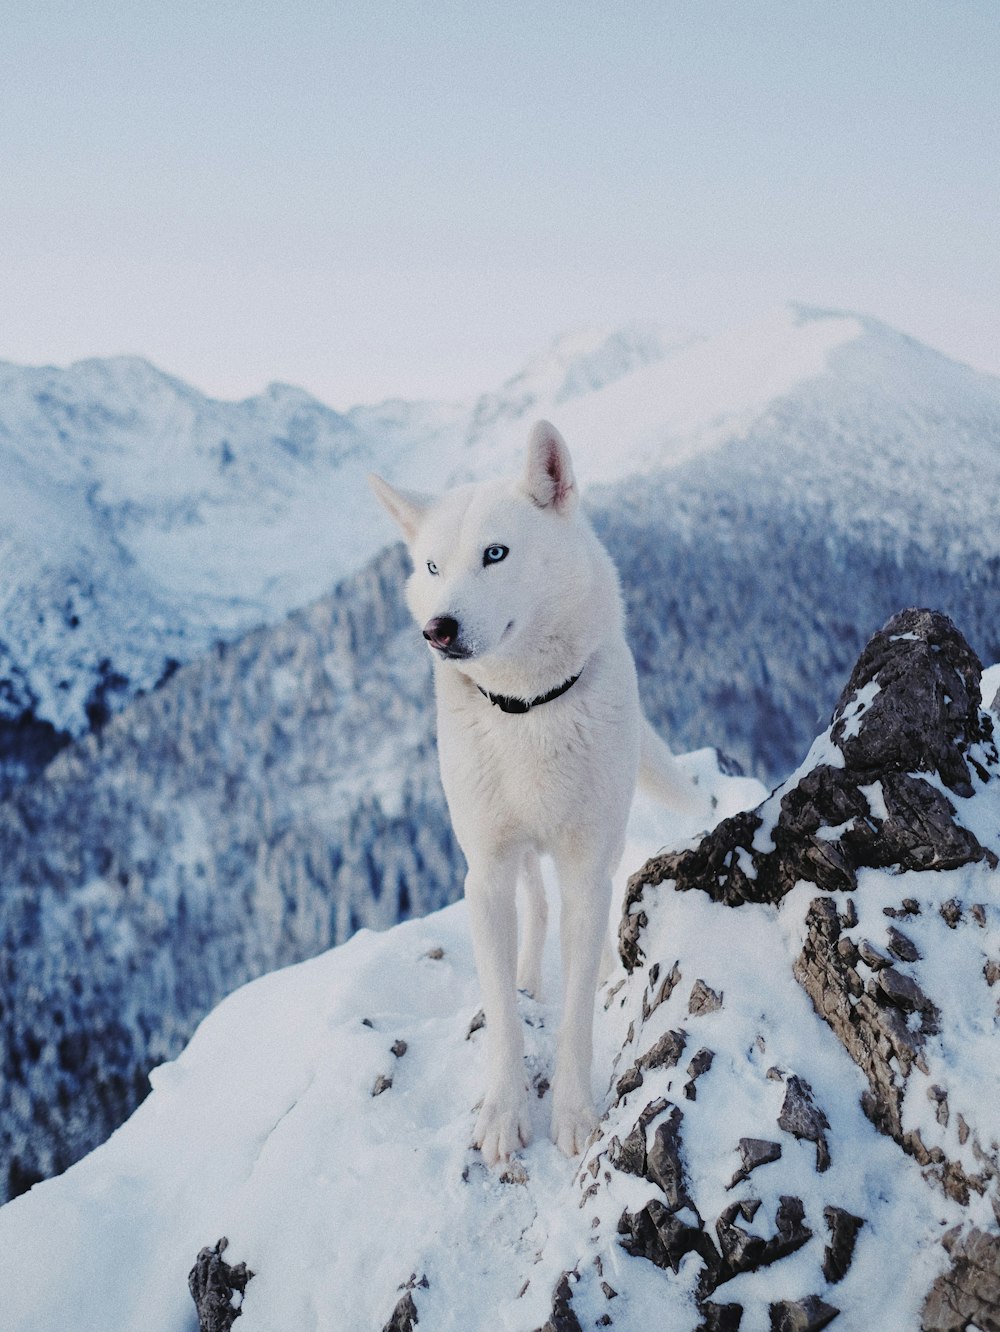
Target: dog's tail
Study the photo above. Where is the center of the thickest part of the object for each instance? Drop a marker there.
(661, 776)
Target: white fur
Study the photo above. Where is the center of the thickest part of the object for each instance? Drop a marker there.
(557, 780)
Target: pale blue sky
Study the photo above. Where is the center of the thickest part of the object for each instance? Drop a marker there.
(378, 197)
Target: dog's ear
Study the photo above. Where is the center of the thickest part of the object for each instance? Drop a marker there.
(548, 475)
(405, 506)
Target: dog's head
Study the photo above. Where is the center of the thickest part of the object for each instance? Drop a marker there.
(490, 561)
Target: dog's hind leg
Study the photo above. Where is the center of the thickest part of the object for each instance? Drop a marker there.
(534, 919)
(491, 895)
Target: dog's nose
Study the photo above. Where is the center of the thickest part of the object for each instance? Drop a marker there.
(442, 631)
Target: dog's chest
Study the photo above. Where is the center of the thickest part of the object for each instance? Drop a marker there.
(530, 772)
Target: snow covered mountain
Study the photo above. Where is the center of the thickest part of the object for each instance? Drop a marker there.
(140, 521)
(800, 1103)
(280, 791)
(756, 571)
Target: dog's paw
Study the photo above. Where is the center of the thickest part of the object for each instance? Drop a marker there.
(502, 1128)
(572, 1126)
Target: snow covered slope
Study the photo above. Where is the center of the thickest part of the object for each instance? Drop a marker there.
(320, 1118)
(266, 1129)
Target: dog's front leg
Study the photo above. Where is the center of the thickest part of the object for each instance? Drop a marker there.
(586, 901)
(534, 921)
(490, 889)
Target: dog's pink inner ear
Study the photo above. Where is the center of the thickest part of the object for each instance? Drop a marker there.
(549, 479)
(561, 485)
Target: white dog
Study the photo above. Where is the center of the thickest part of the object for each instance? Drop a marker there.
(540, 737)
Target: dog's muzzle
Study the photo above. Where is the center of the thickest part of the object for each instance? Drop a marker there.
(442, 632)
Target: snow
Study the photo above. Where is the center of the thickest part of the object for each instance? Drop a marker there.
(991, 689)
(266, 1130)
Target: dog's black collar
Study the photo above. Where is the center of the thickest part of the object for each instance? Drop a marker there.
(522, 705)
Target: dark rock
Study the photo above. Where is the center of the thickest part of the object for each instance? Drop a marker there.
(703, 999)
(663, 1161)
(398, 1048)
(382, 1084)
(904, 992)
(801, 1117)
(630, 1155)
(837, 1255)
(562, 1318)
(940, 1097)
(700, 1064)
(754, 1152)
(477, 1024)
(951, 913)
(926, 714)
(655, 1233)
(808, 1315)
(665, 990)
(923, 718)
(901, 947)
(741, 1251)
(212, 1283)
(628, 1082)
(720, 1317)
(744, 1252)
(665, 1052)
(404, 1317)
(969, 1292)
(791, 1227)
(870, 955)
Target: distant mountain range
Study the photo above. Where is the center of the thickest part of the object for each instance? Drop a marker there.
(770, 498)
(140, 522)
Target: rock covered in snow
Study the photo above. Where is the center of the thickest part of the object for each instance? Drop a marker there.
(907, 723)
(898, 781)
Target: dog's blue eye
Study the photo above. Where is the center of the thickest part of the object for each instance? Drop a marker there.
(431, 567)
(494, 554)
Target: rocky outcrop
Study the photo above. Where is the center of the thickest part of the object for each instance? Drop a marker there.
(867, 795)
(884, 788)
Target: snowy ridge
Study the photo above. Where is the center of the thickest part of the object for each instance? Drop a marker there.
(328, 1105)
(265, 1109)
